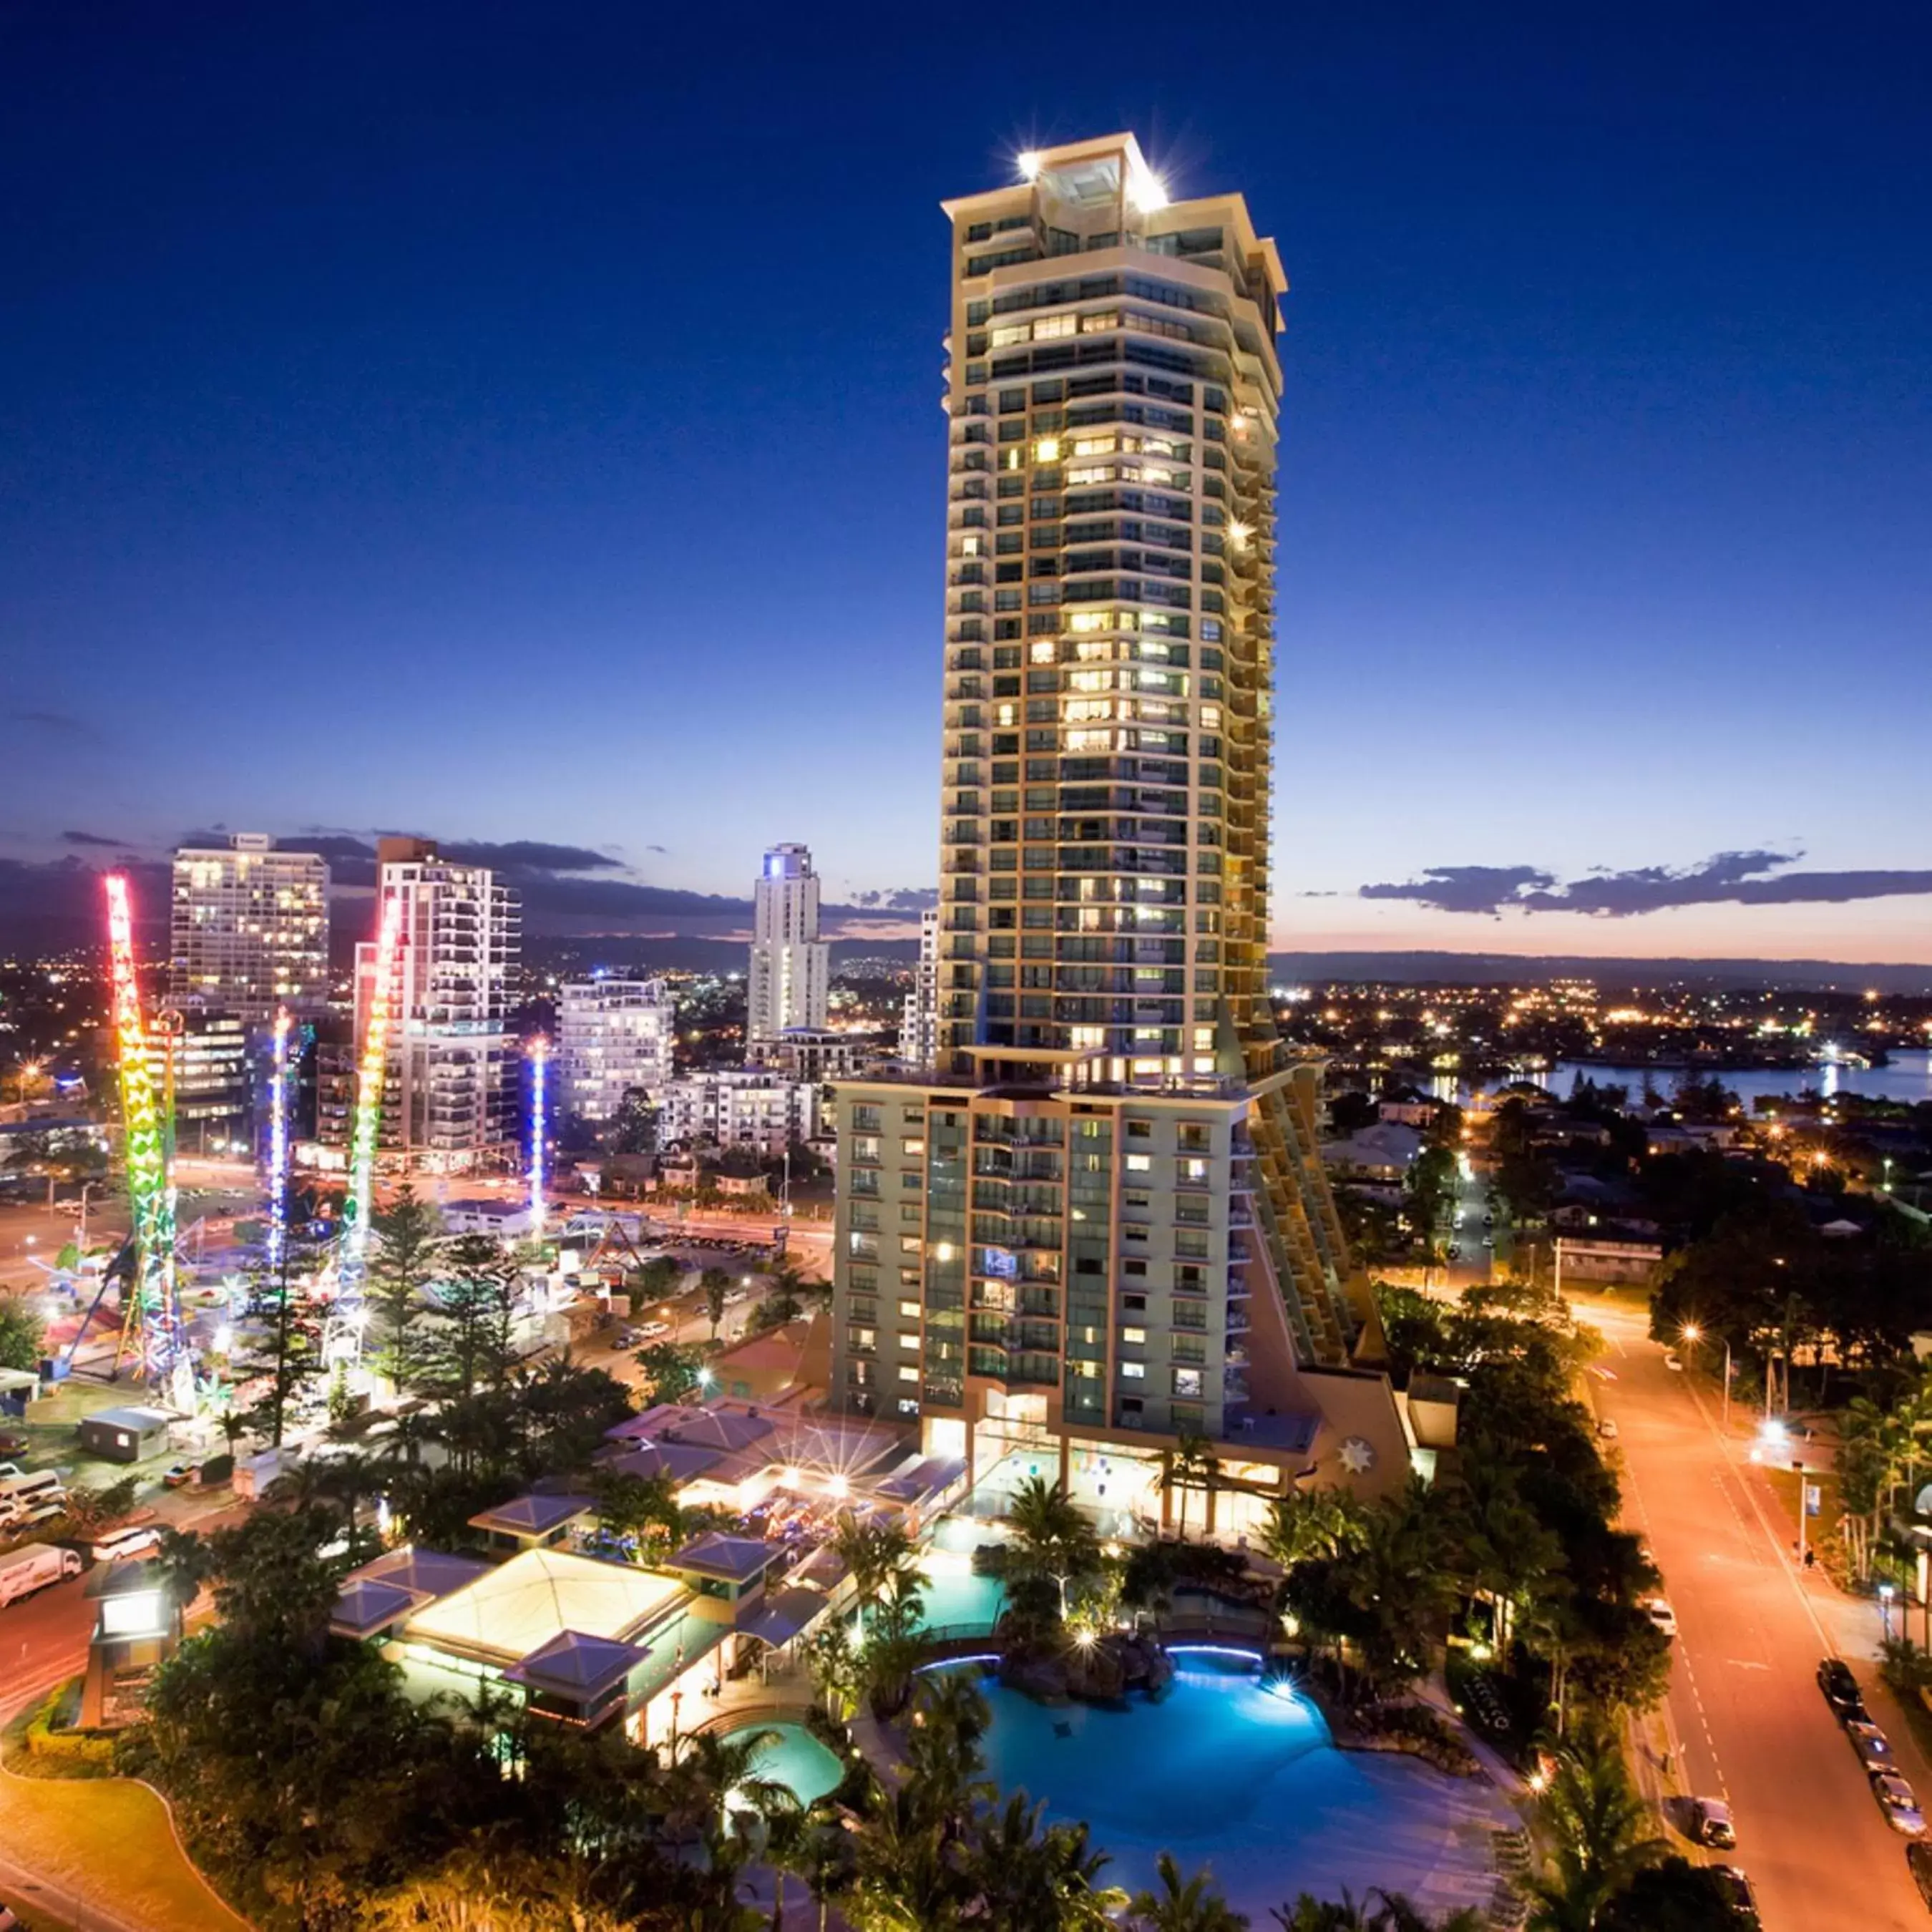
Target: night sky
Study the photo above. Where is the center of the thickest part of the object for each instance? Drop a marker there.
(518, 423)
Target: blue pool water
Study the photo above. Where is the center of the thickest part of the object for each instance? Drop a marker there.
(797, 1759)
(1224, 1770)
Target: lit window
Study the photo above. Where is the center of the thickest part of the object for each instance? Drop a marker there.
(910, 1310)
(908, 1372)
(1134, 1337)
(1140, 1163)
(1135, 1372)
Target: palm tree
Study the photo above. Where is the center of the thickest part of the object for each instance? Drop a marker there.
(1312, 1525)
(1190, 1906)
(1028, 1877)
(1190, 1464)
(347, 1479)
(1396, 1913)
(1600, 1829)
(871, 1548)
(1050, 1536)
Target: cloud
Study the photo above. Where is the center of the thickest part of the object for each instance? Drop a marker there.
(95, 838)
(55, 724)
(1466, 888)
(897, 898)
(1734, 878)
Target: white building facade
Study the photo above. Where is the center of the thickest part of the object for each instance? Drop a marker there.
(919, 1020)
(449, 1099)
(739, 1107)
(613, 1036)
(248, 927)
(791, 966)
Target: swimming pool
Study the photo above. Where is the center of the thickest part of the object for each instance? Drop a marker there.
(797, 1759)
(1225, 1771)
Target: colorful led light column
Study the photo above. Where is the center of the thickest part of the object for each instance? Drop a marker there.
(538, 1050)
(278, 1145)
(151, 1297)
(365, 1131)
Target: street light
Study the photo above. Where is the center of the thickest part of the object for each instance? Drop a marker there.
(1692, 1335)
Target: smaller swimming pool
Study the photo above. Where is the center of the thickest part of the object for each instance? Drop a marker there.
(794, 1758)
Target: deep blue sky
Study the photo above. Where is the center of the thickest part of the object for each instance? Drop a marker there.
(518, 421)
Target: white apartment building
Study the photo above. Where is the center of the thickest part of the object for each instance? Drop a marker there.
(919, 1020)
(449, 1101)
(739, 1107)
(791, 966)
(249, 929)
(612, 1035)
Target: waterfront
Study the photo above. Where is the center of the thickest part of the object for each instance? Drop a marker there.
(1906, 1079)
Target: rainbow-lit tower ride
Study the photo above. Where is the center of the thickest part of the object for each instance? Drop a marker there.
(278, 1245)
(343, 1342)
(152, 1317)
(538, 1050)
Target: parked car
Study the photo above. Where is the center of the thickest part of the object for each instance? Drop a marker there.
(1738, 1890)
(1918, 1860)
(1607, 1427)
(1661, 1615)
(1711, 1823)
(178, 1475)
(137, 1539)
(1899, 1802)
(13, 1445)
(1674, 1363)
(1841, 1689)
(652, 1330)
(1873, 1746)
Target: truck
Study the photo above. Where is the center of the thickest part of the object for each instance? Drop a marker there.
(253, 1474)
(33, 1567)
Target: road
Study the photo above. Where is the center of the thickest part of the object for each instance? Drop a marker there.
(43, 1643)
(1748, 1723)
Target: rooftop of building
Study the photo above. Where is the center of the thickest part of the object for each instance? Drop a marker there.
(735, 1559)
(509, 1613)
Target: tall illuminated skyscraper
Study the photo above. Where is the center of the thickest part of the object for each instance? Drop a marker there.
(790, 975)
(1101, 1227)
(449, 1096)
(249, 930)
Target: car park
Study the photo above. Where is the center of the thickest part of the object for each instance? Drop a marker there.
(1661, 1615)
(1711, 1823)
(1873, 1746)
(1899, 1804)
(1841, 1689)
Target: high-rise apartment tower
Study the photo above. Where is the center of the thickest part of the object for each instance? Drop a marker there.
(1100, 1230)
(249, 929)
(612, 1035)
(791, 974)
(450, 1096)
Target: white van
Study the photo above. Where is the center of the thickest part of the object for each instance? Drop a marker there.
(137, 1539)
(21, 1494)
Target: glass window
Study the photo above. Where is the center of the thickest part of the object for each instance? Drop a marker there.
(1134, 1371)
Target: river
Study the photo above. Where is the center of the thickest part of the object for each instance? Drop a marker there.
(1908, 1078)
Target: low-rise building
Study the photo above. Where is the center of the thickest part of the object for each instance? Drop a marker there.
(748, 1106)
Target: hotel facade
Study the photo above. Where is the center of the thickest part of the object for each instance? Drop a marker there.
(1098, 1229)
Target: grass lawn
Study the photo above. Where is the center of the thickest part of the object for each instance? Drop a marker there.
(107, 1840)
